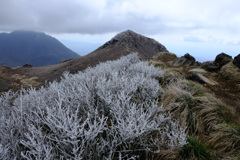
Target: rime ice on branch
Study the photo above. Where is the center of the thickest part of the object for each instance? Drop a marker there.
(106, 112)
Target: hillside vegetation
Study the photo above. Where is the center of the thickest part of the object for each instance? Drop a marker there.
(208, 110)
(122, 109)
(122, 44)
(110, 111)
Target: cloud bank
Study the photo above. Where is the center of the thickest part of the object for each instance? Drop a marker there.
(102, 16)
(205, 21)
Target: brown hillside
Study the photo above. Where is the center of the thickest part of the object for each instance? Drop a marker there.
(120, 45)
(223, 84)
(207, 103)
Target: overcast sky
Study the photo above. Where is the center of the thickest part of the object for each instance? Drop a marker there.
(203, 28)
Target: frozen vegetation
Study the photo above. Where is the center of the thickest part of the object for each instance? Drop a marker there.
(107, 112)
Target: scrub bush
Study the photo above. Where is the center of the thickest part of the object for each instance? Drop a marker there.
(106, 112)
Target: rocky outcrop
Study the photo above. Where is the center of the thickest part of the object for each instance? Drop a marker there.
(27, 65)
(187, 59)
(236, 61)
(210, 66)
(200, 75)
(222, 59)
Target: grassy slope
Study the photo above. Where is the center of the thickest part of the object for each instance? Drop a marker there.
(210, 113)
(212, 128)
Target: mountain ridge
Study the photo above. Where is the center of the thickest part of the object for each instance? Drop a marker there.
(102, 54)
(36, 48)
(204, 97)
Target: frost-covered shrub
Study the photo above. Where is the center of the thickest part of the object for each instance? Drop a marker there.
(106, 112)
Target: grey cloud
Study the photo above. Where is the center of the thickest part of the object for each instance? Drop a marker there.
(52, 16)
(102, 16)
(70, 16)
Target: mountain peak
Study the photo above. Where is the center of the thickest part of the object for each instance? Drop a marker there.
(26, 33)
(130, 41)
(23, 31)
(129, 34)
(122, 44)
(125, 34)
(28, 47)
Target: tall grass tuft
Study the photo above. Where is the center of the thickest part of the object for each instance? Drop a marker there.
(195, 149)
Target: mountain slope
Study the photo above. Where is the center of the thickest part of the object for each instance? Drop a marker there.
(21, 47)
(211, 123)
(122, 44)
(127, 42)
(209, 110)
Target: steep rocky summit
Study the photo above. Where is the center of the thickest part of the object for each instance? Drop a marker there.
(128, 42)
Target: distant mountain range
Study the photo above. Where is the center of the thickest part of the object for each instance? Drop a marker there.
(122, 44)
(27, 47)
(203, 97)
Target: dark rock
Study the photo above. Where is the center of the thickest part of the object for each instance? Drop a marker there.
(236, 61)
(222, 59)
(189, 57)
(27, 65)
(210, 66)
(196, 78)
(198, 63)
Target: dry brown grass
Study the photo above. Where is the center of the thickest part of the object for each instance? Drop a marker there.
(158, 64)
(26, 81)
(169, 76)
(167, 155)
(203, 114)
(165, 57)
(198, 113)
(231, 72)
(225, 139)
